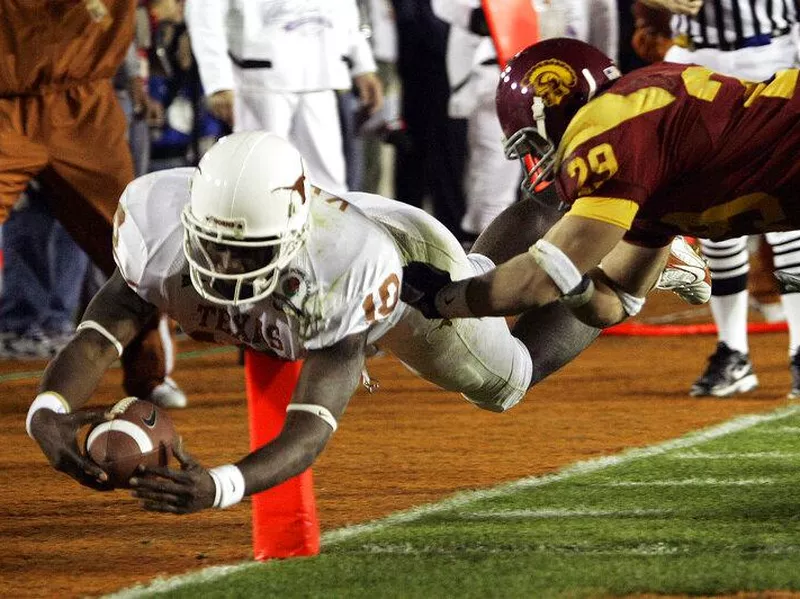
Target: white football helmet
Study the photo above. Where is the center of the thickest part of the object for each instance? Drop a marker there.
(246, 218)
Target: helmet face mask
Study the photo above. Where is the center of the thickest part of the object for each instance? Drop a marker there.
(537, 156)
(232, 272)
(246, 219)
(539, 92)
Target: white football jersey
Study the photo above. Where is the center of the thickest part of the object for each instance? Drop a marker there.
(345, 280)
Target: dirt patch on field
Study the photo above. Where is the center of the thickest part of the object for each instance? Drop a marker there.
(406, 445)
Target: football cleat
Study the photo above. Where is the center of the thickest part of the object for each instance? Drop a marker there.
(686, 273)
(728, 372)
(168, 395)
(790, 281)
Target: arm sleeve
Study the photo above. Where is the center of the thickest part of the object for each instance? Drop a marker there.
(130, 249)
(205, 20)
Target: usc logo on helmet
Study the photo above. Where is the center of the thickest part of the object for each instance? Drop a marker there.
(551, 80)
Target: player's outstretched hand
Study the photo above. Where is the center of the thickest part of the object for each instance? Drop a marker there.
(57, 435)
(183, 491)
(421, 283)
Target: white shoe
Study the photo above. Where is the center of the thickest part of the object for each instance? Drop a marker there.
(790, 281)
(686, 273)
(168, 395)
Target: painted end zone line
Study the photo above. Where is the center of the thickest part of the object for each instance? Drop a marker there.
(160, 585)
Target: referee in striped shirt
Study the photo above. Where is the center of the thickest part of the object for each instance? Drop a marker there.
(748, 39)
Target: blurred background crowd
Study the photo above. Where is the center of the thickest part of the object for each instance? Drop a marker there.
(406, 111)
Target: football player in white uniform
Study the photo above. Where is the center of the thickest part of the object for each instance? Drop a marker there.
(243, 250)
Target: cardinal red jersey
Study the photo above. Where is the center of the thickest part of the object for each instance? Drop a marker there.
(675, 149)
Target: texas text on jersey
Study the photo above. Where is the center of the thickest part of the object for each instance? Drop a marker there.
(675, 149)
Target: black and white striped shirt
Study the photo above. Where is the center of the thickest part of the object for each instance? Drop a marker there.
(743, 23)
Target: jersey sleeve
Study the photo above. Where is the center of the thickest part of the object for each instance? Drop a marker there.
(130, 249)
(612, 157)
(147, 230)
(368, 294)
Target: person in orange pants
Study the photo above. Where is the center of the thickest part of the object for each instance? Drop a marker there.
(60, 120)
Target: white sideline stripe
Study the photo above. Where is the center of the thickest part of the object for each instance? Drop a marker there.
(788, 430)
(551, 513)
(641, 549)
(752, 455)
(688, 482)
(161, 585)
(122, 426)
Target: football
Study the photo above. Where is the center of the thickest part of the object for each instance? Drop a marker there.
(140, 433)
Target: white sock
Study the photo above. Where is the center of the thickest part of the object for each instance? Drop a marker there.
(791, 308)
(730, 315)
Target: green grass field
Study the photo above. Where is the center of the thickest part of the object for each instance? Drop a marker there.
(714, 512)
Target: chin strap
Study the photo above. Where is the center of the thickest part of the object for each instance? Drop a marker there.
(537, 108)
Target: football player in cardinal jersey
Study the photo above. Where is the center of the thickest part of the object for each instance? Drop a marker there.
(636, 160)
(244, 250)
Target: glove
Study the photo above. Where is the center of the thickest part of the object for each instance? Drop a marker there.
(686, 273)
(421, 283)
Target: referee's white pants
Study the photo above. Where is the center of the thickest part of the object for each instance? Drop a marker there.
(309, 120)
(491, 180)
(754, 64)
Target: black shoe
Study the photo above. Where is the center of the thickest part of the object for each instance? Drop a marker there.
(728, 372)
(794, 368)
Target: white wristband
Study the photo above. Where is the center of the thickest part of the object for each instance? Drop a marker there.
(451, 301)
(229, 485)
(49, 400)
(317, 410)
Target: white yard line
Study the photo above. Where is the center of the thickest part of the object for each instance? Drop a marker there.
(333, 537)
(544, 514)
(643, 549)
(743, 455)
(784, 430)
(689, 482)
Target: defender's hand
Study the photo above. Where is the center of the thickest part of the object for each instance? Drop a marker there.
(183, 491)
(57, 435)
(421, 283)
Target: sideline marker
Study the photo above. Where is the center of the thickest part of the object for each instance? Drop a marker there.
(285, 520)
(513, 25)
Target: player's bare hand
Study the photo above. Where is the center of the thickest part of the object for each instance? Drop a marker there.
(57, 435)
(183, 491)
(220, 104)
(370, 91)
(421, 283)
(678, 7)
